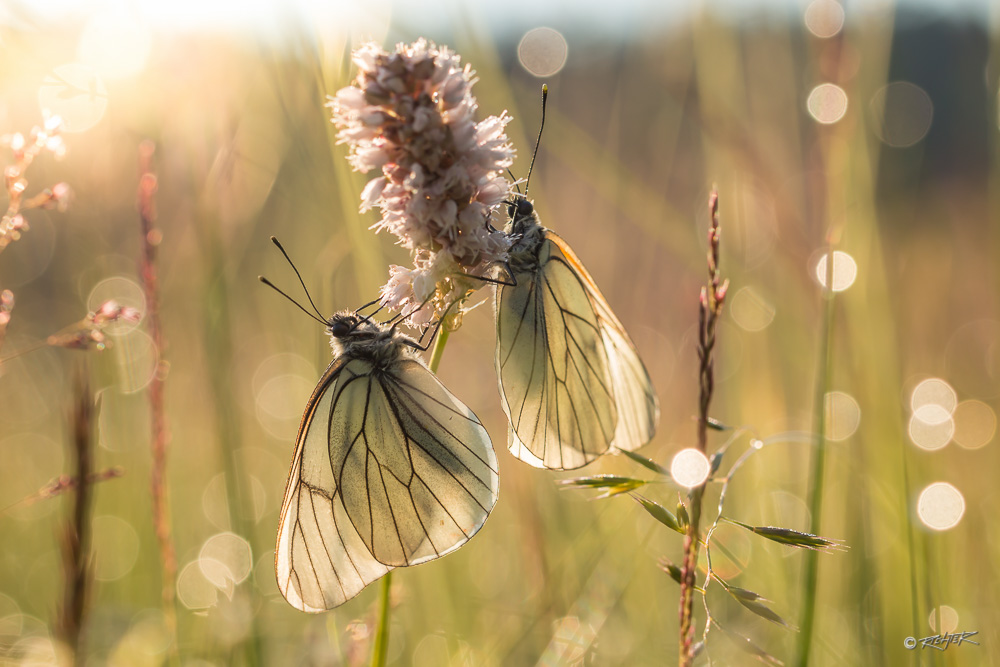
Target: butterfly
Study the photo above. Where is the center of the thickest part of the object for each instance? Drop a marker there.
(390, 469)
(571, 381)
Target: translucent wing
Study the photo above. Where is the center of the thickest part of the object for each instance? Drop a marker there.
(638, 408)
(417, 470)
(320, 560)
(555, 382)
(390, 469)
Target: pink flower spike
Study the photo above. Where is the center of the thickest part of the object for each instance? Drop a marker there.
(411, 114)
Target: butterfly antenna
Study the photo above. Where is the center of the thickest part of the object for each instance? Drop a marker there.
(370, 303)
(299, 305)
(301, 282)
(368, 317)
(538, 141)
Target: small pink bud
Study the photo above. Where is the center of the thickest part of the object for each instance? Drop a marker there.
(108, 309)
(720, 293)
(130, 314)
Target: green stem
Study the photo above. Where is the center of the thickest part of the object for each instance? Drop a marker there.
(818, 463)
(438, 351)
(380, 653)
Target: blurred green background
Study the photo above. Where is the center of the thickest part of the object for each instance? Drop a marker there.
(876, 132)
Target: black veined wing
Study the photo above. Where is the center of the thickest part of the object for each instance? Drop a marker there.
(571, 381)
(390, 469)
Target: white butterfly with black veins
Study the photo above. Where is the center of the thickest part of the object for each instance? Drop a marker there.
(390, 469)
(571, 381)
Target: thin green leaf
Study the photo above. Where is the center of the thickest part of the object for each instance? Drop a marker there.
(714, 462)
(716, 425)
(649, 464)
(792, 538)
(612, 485)
(765, 612)
(744, 594)
(659, 512)
(755, 603)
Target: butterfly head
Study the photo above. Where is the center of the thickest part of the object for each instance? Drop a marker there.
(523, 218)
(364, 338)
(520, 208)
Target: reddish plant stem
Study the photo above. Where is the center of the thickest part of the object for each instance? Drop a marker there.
(709, 309)
(76, 541)
(160, 433)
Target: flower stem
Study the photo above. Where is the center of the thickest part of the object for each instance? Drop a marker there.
(380, 652)
(158, 422)
(710, 308)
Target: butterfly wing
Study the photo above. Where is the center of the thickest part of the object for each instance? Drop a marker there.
(320, 560)
(552, 364)
(635, 400)
(417, 469)
(390, 469)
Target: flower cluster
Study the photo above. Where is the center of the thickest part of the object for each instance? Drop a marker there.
(48, 137)
(411, 114)
(90, 330)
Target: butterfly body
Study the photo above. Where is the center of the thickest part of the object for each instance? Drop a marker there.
(359, 338)
(390, 469)
(571, 381)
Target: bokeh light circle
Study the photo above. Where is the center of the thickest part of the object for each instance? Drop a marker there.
(194, 590)
(940, 506)
(123, 291)
(543, 51)
(137, 360)
(750, 311)
(845, 270)
(232, 552)
(116, 547)
(75, 93)
(843, 416)
(824, 18)
(933, 434)
(933, 391)
(902, 113)
(827, 103)
(147, 638)
(943, 619)
(975, 424)
(280, 401)
(689, 468)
